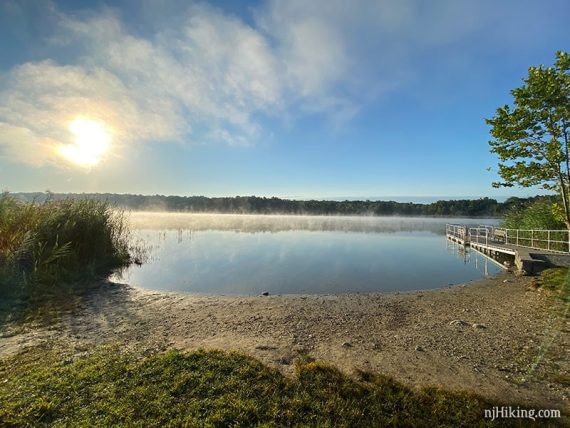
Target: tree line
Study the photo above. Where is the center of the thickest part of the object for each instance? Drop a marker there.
(482, 207)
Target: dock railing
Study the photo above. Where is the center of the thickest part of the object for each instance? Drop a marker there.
(550, 240)
(457, 231)
(557, 241)
(481, 235)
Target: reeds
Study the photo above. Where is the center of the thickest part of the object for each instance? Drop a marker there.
(44, 245)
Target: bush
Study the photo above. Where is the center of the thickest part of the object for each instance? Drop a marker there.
(541, 214)
(44, 245)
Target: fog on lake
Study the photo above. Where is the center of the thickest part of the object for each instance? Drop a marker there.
(250, 254)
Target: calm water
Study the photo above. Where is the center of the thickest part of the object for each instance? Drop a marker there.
(247, 254)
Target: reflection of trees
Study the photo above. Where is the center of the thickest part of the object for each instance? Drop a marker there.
(280, 223)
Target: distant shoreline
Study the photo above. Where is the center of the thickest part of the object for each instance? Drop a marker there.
(468, 208)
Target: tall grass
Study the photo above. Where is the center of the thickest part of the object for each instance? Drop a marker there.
(44, 245)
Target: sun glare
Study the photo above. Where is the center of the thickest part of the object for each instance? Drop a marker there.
(91, 142)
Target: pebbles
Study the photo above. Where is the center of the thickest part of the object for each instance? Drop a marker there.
(400, 336)
(265, 347)
(477, 325)
(462, 323)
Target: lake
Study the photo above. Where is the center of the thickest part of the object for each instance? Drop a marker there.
(250, 254)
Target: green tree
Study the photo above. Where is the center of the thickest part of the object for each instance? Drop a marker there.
(531, 138)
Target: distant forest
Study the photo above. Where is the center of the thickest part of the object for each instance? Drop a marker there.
(483, 207)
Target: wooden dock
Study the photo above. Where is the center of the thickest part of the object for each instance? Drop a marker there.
(532, 250)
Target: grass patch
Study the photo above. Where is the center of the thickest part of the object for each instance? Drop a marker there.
(561, 378)
(110, 387)
(56, 244)
(555, 281)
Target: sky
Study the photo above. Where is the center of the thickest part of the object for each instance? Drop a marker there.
(289, 98)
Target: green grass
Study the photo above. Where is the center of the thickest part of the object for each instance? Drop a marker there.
(47, 245)
(110, 387)
(555, 281)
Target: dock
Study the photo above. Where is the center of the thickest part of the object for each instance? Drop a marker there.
(532, 250)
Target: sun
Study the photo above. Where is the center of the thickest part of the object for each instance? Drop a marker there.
(92, 141)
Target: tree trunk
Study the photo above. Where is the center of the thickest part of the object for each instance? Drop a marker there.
(563, 188)
(564, 194)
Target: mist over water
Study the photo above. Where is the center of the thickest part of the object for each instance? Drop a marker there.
(252, 223)
(249, 254)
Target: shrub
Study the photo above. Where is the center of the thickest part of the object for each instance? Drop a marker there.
(541, 214)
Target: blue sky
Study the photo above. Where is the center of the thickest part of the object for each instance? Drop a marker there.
(291, 98)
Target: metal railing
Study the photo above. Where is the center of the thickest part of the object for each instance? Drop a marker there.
(456, 231)
(481, 235)
(550, 240)
(557, 241)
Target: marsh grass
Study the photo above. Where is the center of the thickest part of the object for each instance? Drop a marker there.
(111, 387)
(51, 246)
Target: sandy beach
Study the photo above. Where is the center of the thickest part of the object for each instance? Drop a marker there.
(497, 337)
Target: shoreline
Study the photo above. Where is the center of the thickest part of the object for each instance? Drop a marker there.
(486, 336)
(374, 294)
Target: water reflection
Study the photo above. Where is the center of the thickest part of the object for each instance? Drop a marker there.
(481, 262)
(235, 254)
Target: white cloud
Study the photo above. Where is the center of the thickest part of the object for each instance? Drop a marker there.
(204, 75)
(214, 73)
(23, 145)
